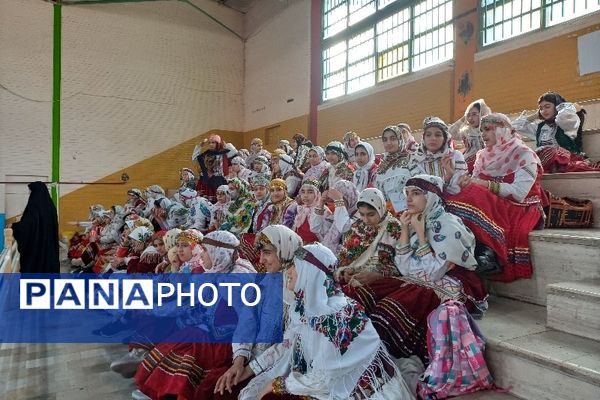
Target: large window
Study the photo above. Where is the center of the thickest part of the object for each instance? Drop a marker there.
(371, 41)
(503, 19)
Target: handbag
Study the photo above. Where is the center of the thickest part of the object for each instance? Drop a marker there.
(568, 212)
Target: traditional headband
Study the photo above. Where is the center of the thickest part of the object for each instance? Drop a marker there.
(435, 121)
(336, 149)
(491, 119)
(425, 186)
(309, 257)
(190, 237)
(217, 243)
(278, 183)
(312, 182)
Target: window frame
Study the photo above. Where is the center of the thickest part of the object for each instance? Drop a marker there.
(544, 5)
(370, 22)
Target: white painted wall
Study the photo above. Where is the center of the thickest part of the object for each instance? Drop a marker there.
(277, 62)
(138, 78)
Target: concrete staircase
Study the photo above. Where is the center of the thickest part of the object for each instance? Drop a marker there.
(544, 333)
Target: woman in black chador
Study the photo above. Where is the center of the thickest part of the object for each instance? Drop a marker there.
(37, 232)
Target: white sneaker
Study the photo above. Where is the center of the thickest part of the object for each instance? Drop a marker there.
(138, 395)
(127, 365)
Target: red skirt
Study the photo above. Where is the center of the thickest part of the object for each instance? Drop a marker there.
(184, 370)
(399, 309)
(558, 159)
(470, 162)
(500, 224)
(248, 249)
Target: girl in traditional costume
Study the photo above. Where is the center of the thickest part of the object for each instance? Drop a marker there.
(503, 200)
(435, 156)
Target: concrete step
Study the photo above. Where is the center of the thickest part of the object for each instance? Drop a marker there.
(574, 307)
(558, 255)
(537, 362)
(591, 143)
(581, 185)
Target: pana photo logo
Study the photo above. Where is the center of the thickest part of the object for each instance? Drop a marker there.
(131, 294)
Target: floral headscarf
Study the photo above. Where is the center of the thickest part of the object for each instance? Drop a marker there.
(447, 235)
(334, 334)
(221, 247)
(338, 148)
(304, 210)
(349, 193)
(405, 146)
(364, 246)
(361, 175)
(422, 153)
(508, 155)
(316, 172)
(279, 207)
(170, 238)
(243, 193)
(141, 234)
(285, 240)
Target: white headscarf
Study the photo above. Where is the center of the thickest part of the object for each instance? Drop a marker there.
(333, 335)
(221, 247)
(286, 164)
(303, 210)
(285, 240)
(316, 172)
(447, 235)
(361, 175)
(508, 155)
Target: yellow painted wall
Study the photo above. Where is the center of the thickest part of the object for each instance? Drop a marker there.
(162, 169)
(513, 81)
(408, 103)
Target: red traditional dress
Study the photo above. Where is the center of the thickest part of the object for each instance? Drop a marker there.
(502, 216)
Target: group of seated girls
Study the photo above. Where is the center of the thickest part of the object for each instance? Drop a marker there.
(370, 246)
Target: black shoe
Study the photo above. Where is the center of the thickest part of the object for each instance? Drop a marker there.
(487, 262)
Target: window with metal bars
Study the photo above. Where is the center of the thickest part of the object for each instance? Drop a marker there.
(504, 19)
(365, 42)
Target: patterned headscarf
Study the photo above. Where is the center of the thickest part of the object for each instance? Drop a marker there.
(405, 146)
(316, 172)
(349, 193)
(285, 240)
(170, 238)
(191, 236)
(243, 189)
(135, 192)
(141, 234)
(361, 175)
(286, 163)
(279, 207)
(508, 155)
(343, 342)
(338, 148)
(221, 247)
(264, 164)
(375, 199)
(155, 191)
(186, 195)
(447, 235)
(237, 160)
(423, 154)
(304, 210)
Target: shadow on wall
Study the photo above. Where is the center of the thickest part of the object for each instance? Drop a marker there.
(161, 169)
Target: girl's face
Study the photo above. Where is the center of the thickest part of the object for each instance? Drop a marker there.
(332, 157)
(212, 144)
(260, 192)
(256, 147)
(175, 262)
(185, 176)
(353, 142)
(473, 117)
(369, 215)
(221, 197)
(488, 134)
(131, 198)
(233, 191)
(547, 110)
(277, 194)
(256, 166)
(275, 165)
(361, 155)
(308, 196)
(313, 158)
(433, 138)
(269, 259)
(206, 261)
(390, 142)
(235, 168)
(160, 246)
(184, 251)
(415, 200)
